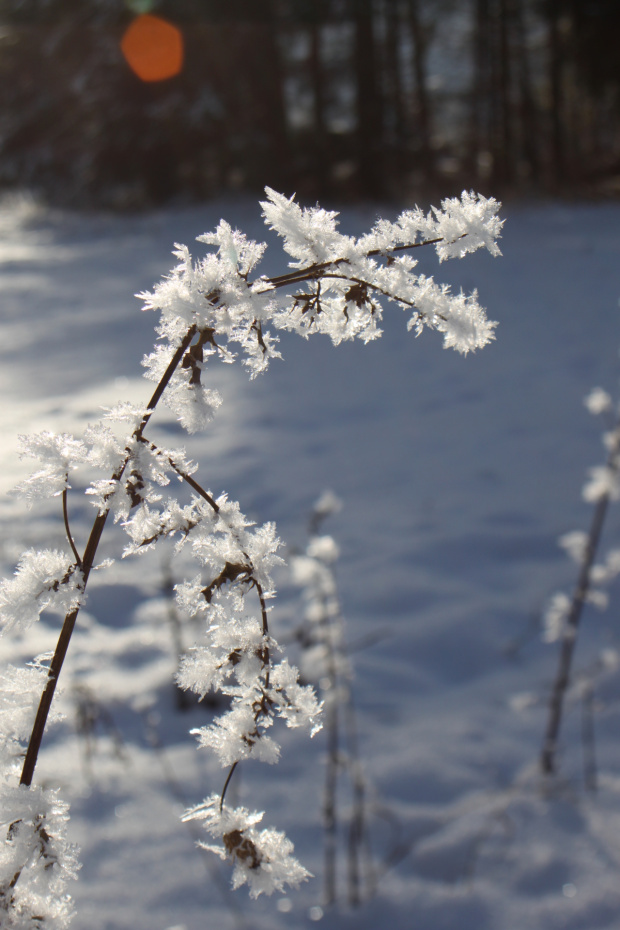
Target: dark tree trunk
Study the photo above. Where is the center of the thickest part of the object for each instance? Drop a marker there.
(317, 78)
(367, 104)
(528, 116)
(394, 83)
(505, 139)
(420, 48)
(479, 133)
(269, 99)
(558, 141)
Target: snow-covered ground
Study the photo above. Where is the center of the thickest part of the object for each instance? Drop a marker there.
(457, 476)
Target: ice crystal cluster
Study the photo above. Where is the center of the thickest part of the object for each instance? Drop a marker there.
(210, 308)
(36, 861)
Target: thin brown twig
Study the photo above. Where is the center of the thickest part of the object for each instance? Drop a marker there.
(313, 271)
(265, 658)
(182, 474)
(227, 782)
(372, 287)
(65, 514)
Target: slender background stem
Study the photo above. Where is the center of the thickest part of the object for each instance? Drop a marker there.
(548, 756)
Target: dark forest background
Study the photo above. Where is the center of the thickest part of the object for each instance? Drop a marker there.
(331, 98)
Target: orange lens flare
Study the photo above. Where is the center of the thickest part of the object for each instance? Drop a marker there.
(153, 48)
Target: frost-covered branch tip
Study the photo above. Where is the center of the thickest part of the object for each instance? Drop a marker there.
(262, 858)
(338, 287)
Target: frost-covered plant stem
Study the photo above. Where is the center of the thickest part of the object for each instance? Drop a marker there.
(326, 661)
(207, 307)
(85, 565)
(311, 273)
(607, 491)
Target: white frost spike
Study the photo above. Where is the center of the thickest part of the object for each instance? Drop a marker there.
(298, 704)
(235, 735)
(323, 548)
(554, 619)
(20, 691)
(597, 401)
(60, 454)
(603, 481)
(574, 544)
(466, 225)
(37, 852)
(598, 598)
(310, 235)
(263, 858)
(327, 503)
(234, 247)
(45, 580)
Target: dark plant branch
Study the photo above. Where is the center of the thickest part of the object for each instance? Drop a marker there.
(262, 707)
(315, 270)
(227, 782)
(182, 474)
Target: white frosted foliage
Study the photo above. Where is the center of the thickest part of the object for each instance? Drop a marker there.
(574, 544)
(59, 454)
(554, 619)
(44, 580)
(598, 401)
(262, 858)
(36, 861)
(603, 482)
(217, 308)
(20, 689)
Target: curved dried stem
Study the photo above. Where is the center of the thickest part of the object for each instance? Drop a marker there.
(65, 514)
(182, 474)
(227, 782)
(372, 287)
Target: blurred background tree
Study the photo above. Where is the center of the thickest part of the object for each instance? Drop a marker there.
(346, 98)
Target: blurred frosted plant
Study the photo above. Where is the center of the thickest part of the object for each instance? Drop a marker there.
(563, 614)
(212, 309)
(598, 401)
(325, 660)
